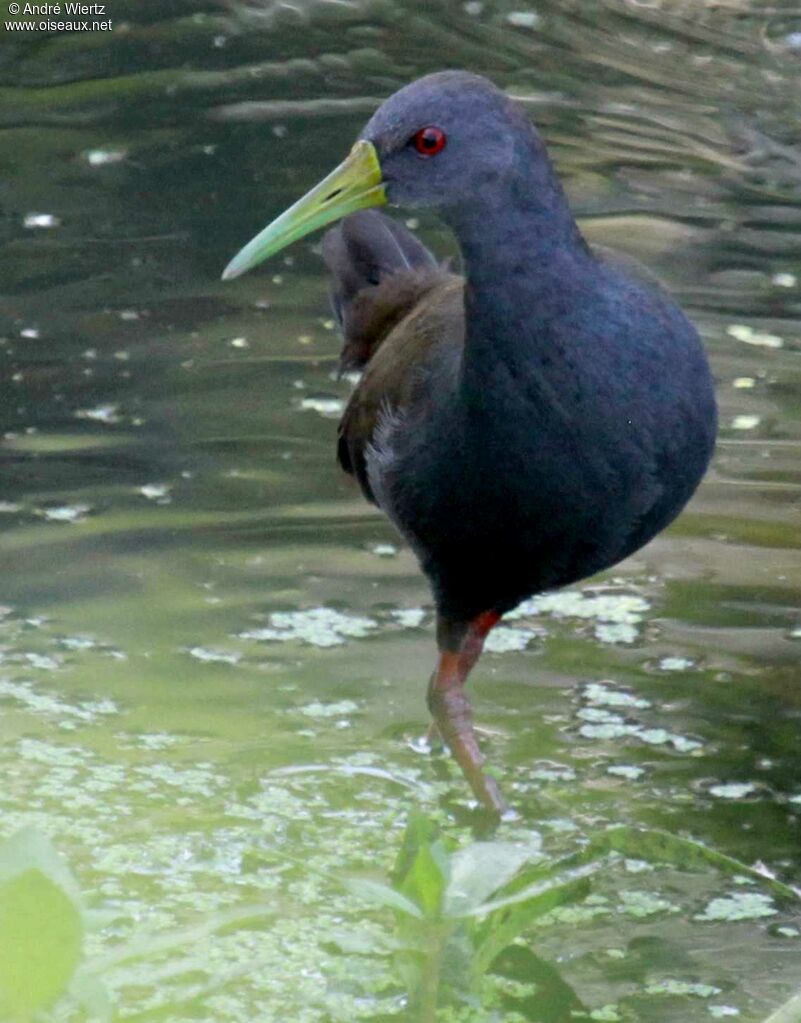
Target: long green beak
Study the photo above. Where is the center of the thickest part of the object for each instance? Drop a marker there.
(354, 185)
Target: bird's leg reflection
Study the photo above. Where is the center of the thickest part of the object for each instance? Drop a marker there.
(460, 647)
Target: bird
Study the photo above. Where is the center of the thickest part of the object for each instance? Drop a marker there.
(524, 423)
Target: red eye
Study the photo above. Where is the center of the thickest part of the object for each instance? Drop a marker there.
(429, 141)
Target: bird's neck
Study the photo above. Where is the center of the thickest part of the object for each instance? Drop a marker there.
(522, 250)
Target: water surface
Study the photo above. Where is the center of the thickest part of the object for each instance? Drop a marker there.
(213, 654)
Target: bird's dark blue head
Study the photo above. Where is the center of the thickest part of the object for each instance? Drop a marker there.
(439, 142)
(447, 137)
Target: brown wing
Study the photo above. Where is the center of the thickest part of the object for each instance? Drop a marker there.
(389, 381)
(379, 271)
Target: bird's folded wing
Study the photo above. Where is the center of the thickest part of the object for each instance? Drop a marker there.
(395, 377)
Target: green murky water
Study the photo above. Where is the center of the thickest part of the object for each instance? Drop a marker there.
(213, 653)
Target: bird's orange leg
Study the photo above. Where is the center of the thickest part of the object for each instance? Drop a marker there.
(460, 647)
(473, 644)
(469, 652)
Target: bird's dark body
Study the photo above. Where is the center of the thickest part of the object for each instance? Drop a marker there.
(573, 425)
(524, 426)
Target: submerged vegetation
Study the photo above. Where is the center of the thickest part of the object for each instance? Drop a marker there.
(461, 940)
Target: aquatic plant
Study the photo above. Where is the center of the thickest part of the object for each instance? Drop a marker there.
(45, 973)
(457, 911)
(458, 914)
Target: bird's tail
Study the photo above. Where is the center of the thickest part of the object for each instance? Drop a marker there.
(379, 272)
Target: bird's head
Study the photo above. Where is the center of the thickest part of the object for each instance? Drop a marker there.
(434, 143)
(442, 139)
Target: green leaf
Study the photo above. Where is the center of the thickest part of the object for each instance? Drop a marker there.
(41, 928)
(426, 880)
(419, 831)
(650, 844)
(379, 894)
(790, 1012)
(478, 870)
(533, 892)
(552, 1001)
(503, 926)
